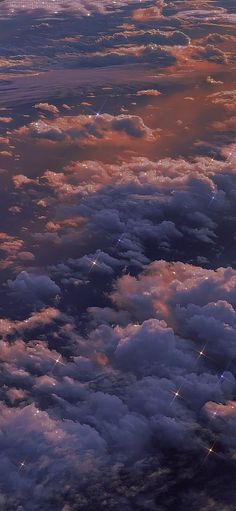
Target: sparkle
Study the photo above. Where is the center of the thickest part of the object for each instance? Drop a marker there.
(56, 362)
(213, 197)
(120, 240)
(93, 263)
(210, 451)
(222, 377)
(202, 353)
(213, 415)
(22, 465)
(99, 112)
(176, 394)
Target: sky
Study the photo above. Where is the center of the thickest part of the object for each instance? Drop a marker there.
(118, 255)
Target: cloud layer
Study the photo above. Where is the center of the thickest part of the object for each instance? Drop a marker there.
(117, 244)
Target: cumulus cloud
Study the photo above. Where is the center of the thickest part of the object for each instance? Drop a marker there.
(147, 380)
(36, 289)
(148, 92)
(211, 53)
(87, 128)
(47, 108)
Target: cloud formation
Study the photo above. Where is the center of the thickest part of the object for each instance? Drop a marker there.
(117, 244)
(83, 8)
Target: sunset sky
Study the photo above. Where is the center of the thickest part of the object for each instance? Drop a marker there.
(118, 255)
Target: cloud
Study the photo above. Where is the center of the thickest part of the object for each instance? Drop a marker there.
(118, 288)
(47, 108)
(148, 13)
(87, 128)
(36, 289)
(82, 8)
(148, 92)
(211, 53)
(149, 382)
